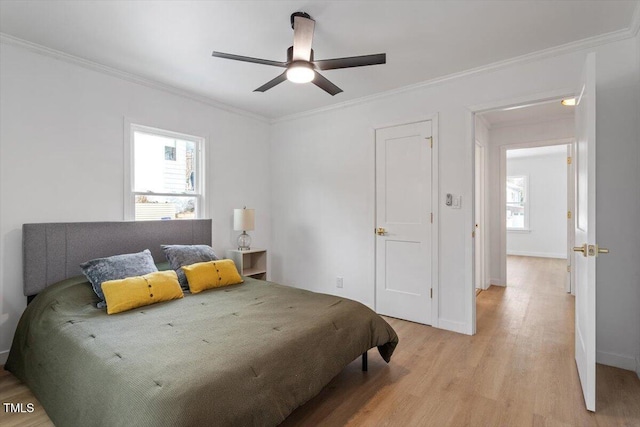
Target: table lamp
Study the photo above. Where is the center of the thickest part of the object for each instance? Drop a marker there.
(243, 220)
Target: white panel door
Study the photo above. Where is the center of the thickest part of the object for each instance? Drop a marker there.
(403, 221)
(585, 233)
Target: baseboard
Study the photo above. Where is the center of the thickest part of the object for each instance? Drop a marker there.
(450, 325)
(496, 282)
(538, 254)
(3, 357)
(621, 361)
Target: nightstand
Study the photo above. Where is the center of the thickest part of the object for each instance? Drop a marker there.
(252, 263)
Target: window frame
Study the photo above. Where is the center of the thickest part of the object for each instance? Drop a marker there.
(130, 194)
(525, 203)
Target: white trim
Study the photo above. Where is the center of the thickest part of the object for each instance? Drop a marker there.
(450, 325)
(127, 154)
(435, 228)
(519, 230)
(621, 361)
(538, 254)
(201, 160)
(124, 75)
(469, 173)
(588, 43)
(4, 355)
(518, 101)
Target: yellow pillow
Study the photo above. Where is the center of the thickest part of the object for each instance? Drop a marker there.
(211, 274)
(132, 292)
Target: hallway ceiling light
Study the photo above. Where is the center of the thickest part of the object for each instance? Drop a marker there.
(569, 102)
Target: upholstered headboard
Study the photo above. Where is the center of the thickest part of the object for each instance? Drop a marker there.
(54, 251)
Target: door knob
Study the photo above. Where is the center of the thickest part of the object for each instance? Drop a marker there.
(380, 231)
(582, 249)
(590, 250)
(594, 250)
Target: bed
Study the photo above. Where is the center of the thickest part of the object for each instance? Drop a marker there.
(246, 354)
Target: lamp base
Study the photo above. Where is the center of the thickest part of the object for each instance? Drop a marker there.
(244, 241)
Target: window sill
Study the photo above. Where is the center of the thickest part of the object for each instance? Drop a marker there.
(518, 230)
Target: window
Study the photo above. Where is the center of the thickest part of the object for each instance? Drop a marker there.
(166, 175)
(517, 203)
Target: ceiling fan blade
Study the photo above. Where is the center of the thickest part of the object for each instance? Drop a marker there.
(302, 38)
(352, 61)
(248, 59)
(265, 87)
(326, 85)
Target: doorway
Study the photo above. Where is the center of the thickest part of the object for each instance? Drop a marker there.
(538, 214)
(536, 138)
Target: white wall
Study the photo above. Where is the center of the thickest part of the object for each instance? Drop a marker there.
(499, 138)
(61, 156)
(547, 200)
(322, 175)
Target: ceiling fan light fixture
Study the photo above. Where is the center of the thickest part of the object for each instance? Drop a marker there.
(300, 72)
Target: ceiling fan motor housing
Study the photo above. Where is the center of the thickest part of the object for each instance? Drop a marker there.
(290, 55)
(300, 14)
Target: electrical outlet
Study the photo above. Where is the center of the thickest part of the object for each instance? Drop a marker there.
(338, 282)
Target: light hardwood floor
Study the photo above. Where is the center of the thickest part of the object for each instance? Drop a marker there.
(518, 370)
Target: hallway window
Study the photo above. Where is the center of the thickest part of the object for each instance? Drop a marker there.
(517, 203)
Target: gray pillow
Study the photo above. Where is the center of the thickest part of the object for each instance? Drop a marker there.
(179, 255)
(115, 268)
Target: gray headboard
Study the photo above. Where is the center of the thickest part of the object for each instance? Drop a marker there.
(54, 251)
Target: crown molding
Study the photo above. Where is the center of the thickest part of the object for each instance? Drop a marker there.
(588, 43)
(123, 75)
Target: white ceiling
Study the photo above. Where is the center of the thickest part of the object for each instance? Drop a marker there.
(526, 114)
(536, 151)
(171, 41)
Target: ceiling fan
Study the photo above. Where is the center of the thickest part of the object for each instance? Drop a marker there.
(300, 65)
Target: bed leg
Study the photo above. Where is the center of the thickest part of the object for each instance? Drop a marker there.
(364, 362)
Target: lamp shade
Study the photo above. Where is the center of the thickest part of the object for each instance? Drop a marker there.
(244, 219)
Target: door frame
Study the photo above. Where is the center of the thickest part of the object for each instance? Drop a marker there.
(481, 201)
(469, 162)
(571, 206)
(503, 196)
(435, 198)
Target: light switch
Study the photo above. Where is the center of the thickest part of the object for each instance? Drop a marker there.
(457, 202)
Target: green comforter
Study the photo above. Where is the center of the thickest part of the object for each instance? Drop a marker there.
(243, 355)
